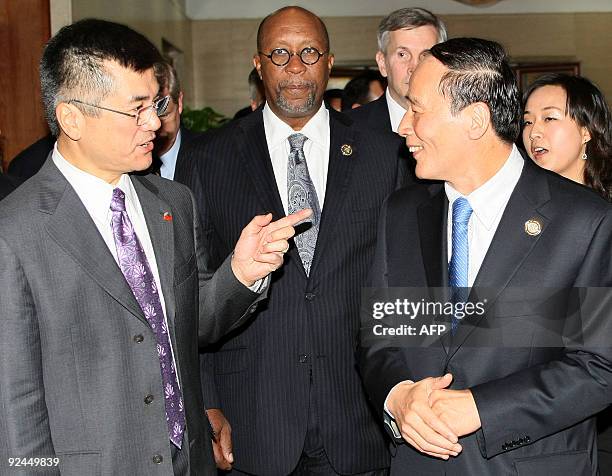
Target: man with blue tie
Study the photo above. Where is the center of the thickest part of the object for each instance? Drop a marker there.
(492, 395)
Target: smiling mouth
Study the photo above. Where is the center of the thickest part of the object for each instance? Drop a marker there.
(415, 148)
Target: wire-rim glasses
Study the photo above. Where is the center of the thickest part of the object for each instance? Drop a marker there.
(143, 115)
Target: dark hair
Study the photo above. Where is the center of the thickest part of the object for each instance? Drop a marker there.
(408, 18)
(168, 79)
(357, 90)
(480, 72)
(587, 106)
(260, 29)
(72, 63)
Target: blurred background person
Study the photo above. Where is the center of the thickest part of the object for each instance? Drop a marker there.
(171, 136)
(30, 160)
(362, 89)
(402, 36)
(256, 93)
(567, 129)
(333, 99)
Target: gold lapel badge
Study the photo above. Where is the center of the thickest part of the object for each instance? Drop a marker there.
(167, 216)
(346, 150)
(533, 227)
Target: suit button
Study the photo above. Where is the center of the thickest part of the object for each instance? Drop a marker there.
(309, 296)
(252, 309)
(521, 441)
(149, 399)
(158, 459)
(303, 358)
(527, 439)
(138, 338)
(504, 447)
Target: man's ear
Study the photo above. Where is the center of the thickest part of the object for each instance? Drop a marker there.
(70, 119)
(257, 64)
(478, 117)
(380, 61)
(180, 103)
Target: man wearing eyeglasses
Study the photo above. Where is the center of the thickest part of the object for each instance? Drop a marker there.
(287, 382)
(106, 281)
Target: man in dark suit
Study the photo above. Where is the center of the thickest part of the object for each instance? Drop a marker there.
(106, 279)
(287, 382)
(172, 136)
(402, 36)
(513, 389)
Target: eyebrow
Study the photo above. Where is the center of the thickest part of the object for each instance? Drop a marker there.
(138, 98)
(546, 109)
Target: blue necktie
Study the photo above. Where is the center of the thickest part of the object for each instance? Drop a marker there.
(302, 194)
(458, 267)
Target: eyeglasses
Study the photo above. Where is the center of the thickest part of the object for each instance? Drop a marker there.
(281, 56)
(143, 115)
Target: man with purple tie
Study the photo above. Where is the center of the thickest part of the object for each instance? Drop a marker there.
(107, 287)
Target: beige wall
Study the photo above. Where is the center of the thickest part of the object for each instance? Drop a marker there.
(223, 49)
(156, 19)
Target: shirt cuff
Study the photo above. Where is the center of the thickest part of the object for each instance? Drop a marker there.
(260, 285)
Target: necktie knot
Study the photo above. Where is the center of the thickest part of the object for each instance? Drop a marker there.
(462, 211)
(296, 141)
(118, 201)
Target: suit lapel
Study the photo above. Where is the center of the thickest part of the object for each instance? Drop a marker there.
(338, 178)
(71, 227)
(161, 232)
(432, 217)
(511, 244)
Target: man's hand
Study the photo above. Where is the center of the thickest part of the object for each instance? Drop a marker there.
(457, 409)
(419, 425)
(262, 244)
(222, 443)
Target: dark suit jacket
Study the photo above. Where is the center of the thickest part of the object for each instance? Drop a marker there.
(7, 185)
(186, 137)
(79, 356)
(304, 338)
(536, 402)
(29, 161)
(374, 115)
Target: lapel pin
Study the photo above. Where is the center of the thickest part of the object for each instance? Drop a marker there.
(346, 150)
(533, 227)
(167, 216)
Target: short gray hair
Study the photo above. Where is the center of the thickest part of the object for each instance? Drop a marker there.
(408, 18)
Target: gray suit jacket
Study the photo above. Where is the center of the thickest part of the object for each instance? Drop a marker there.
(78, 356)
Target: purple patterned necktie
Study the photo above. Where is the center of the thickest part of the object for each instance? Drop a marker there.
(135, 267)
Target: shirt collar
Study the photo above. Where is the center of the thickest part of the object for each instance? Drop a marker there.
(277, 131)
(490, 199)
(396, 111)
(95, 193)
(172, 152)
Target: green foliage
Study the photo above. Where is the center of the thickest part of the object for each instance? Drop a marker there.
(202, 119)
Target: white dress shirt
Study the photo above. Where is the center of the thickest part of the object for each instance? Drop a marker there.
(96, 195)
(488, 203)
(396, 111)
(169, 158)
(316, 150)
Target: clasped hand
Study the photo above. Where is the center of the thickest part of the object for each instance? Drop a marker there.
(432, 418)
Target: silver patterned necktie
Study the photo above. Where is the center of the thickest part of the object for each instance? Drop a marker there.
(135, 267)
(302, 194)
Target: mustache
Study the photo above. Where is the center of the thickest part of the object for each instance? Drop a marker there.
(302, 83)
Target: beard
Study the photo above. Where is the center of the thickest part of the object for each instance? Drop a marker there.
(296, 109)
